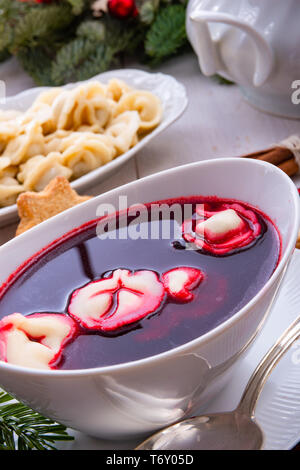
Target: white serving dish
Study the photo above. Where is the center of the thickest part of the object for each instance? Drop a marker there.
(135, 398)
(168, 89)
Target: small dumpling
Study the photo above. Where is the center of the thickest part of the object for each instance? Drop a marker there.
(37, 172)
(4, 164)
(54, 141)
(94, 89)
(97, 111)
(102, 105)
(41, 113)
(116, 89)
(81, 106)
(8, 130)
(47, 97)
(85, 152)
(95, 128)
(123, 129)
(9, 190)
(26, 145)
(9, 115)
(146, 104)
(36, 340)
(10, 171)
(41, 109)
(64, 106)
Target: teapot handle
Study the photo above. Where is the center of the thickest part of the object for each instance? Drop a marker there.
(210, 62)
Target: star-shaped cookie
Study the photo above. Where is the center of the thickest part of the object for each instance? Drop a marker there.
(35, 207)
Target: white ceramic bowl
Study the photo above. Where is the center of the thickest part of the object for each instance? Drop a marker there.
(141, 396)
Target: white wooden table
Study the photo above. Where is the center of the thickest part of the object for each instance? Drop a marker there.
(217, 123)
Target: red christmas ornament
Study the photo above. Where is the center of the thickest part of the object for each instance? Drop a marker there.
(122, 8)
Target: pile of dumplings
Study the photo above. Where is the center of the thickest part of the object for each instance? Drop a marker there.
(71, 132)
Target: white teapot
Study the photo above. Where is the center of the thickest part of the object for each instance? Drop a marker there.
(255, 43)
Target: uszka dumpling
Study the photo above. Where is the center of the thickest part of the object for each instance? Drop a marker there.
(116, 89)
(4, 164)
(46, 97)
(42, 113)
(74, 108)
(96, 109)
(95, 128)
(6, 169)
(146, 104)
(123, 298)
(36, 340)
(9, 115)
(8, 130)
(9, 186)
(37, 172)
(94, 89)
(26, 144)
(9, 126)
(86, 151)
(123, 129)
(63, 108)
(55, 142)
(41, 109)
(9, 190)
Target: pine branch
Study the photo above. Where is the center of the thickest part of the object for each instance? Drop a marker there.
(121, 34)
(24, 429)
(167, 33)
(40, 23)
(91, 52)
(94, 30)
(79, 60)
(6, 35)
(37, 64)
(78, 6)
(61, 42)
(10, 10)
(147, 10)
(98, 62)
(69, 58)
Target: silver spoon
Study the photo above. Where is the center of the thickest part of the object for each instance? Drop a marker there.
(234, 430)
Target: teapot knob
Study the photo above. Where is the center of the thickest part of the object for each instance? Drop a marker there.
(208, 54)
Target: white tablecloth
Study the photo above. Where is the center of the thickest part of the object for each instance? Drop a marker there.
(217, 123)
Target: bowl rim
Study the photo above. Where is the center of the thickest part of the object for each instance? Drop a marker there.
(200, 340)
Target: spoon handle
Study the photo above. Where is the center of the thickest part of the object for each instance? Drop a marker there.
(258, 378)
